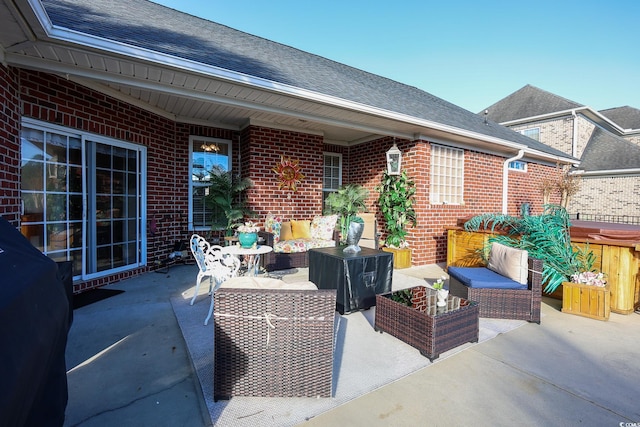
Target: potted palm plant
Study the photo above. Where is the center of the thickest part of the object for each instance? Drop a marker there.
(348, 202)
(226, 197)
(396, 202)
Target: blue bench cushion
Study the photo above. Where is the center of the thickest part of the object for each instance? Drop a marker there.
(481, 277)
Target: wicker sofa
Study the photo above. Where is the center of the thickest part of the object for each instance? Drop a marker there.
(273, 342)
(499, 296)
(291, 250)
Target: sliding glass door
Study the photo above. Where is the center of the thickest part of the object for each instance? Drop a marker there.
(83, 199)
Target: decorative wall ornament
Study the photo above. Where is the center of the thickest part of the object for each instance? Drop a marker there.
(288, 172)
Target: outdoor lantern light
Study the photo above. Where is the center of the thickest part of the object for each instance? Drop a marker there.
(394, 160)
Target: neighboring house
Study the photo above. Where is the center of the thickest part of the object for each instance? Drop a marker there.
(607, 143)
(113, 111)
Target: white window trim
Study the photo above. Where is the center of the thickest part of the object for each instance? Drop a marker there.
(193, 138)
(339, 156)
(516, 169)
(522, 131)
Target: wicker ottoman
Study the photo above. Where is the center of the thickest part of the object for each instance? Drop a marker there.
(430, 329)
(273, 342)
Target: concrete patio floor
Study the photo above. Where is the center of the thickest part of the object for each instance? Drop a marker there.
(128, 366)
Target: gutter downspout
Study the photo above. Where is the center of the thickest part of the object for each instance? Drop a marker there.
(505, 179)
(574, 142)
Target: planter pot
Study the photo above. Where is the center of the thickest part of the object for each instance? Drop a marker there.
(585, 300)
(401, 257)
(247, 240)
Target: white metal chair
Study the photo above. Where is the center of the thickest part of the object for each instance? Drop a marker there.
(212, 263)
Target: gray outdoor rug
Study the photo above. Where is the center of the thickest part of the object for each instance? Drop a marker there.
(364, 361)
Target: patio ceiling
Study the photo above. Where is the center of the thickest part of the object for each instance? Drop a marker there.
(192, 92)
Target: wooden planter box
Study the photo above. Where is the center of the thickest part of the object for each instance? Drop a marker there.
(401, 257)
(585, 300)
(620, 261)
(463, 247)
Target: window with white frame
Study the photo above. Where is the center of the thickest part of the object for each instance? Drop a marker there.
(332, 174)
(447, 175)
(207, 155)
(518, 165)
(533, 133)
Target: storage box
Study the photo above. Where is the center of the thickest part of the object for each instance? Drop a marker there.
(586, 300)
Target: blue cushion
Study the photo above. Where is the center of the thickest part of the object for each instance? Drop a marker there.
(480, 277)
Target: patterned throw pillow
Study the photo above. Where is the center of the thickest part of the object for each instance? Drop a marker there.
(272, 224)
(322, 227)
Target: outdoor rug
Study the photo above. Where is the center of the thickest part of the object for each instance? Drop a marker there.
(364, 361)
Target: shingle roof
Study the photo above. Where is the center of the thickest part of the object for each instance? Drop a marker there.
(151, 26)
(606, 151)
(527, 102)
(626, 117)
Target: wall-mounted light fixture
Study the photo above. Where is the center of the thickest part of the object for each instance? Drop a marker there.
(394, 160)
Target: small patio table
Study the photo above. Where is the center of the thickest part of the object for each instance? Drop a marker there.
(252, 255)
(424, 325)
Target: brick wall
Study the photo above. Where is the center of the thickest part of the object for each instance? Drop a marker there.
(262, 150)
(256, 150)
(556, 133)
(585, 130)
(55, 100)
(483, 191)
(616, 196)
(633, 138)
(10, 145)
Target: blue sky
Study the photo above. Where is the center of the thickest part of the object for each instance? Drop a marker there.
(470, 53)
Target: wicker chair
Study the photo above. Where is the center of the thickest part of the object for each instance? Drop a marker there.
(519, 304)
(273, 342)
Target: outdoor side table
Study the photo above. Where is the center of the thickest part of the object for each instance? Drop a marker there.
(424, 325)
(358, 277)
(252, 255)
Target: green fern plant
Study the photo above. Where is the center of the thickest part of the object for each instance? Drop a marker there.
(545, 237)
(403, 296)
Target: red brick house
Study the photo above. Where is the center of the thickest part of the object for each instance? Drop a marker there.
(109, 106)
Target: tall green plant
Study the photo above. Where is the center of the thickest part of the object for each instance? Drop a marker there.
(347, 202)
(545, 237)
(396, 205)
(226, 198)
